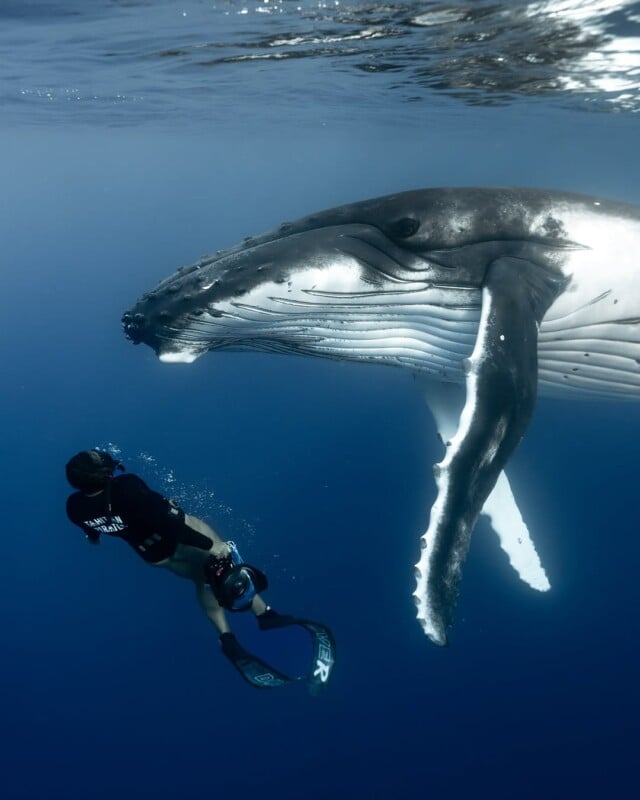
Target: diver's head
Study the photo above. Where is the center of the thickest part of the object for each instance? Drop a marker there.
(89, 470)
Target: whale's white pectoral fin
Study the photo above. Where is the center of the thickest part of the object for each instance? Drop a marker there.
(506, 520)
(499, 401)
(445, 401)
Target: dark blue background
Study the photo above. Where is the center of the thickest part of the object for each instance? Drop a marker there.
(113, 683)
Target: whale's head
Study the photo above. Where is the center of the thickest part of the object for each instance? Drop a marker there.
(394, 280)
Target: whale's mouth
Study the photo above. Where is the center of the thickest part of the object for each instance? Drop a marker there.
(339, 291)
(211, 287)
(289, 293)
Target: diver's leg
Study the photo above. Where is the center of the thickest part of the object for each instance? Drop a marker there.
(211, 607)
(218, 548)
(258, 606)
(221, 548)
(188, 564)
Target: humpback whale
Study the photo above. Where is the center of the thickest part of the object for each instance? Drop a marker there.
(488, 295)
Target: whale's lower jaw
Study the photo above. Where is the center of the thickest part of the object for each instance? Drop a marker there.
(184, 356)
(423, 330)
(600, 360)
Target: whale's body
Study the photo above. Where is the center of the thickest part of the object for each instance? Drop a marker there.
(486, 295)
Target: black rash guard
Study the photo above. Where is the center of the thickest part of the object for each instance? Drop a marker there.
(143, 518)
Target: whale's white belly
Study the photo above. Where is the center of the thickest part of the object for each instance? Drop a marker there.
(589, 340)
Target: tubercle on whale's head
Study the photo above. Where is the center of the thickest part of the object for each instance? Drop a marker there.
(159, 330)
(139, 329)
(160, 314)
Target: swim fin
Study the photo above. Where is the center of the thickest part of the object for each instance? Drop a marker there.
(262, 675)
(324, 645)
(253, 669)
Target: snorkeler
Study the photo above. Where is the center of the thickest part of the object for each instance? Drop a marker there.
(164, 536)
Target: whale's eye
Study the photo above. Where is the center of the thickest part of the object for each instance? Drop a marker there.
(403, 228)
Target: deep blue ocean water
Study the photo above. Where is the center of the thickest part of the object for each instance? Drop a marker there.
(135, 137)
